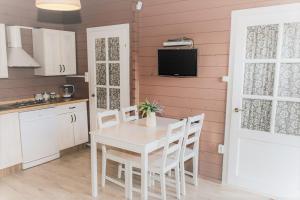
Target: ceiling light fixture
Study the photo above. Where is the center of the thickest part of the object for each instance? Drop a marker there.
(58, 5)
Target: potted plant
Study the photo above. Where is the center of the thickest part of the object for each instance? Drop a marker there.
(149, 109)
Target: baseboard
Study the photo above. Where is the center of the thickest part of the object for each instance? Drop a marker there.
(40, 161)
(10, 170)
(73, 149)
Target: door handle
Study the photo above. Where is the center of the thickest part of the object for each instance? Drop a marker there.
(64, 68)
(238, 110)
(93, 95)
(75, 118)
(60, 69)
(72, 119)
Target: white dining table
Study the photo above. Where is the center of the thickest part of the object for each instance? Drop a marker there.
(132, 136)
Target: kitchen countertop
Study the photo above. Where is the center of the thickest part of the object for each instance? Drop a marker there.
(6, 108)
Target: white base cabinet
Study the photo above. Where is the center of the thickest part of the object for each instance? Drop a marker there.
(72, 125)
(10, 140)
(66, 130)
(69, 124)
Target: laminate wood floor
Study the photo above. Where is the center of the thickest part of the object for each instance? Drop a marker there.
(68, 178)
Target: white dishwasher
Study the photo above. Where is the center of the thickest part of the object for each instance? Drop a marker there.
(39, 137)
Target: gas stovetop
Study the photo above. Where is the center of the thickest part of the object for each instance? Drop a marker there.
(27, 103)
(21, 104)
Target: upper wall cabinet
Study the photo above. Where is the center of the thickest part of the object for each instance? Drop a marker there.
(3, 54)
(55, 50)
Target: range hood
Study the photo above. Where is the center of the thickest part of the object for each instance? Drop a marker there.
(16, 55)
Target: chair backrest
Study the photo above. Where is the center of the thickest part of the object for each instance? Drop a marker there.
(130, 113)
(173, 144)
(192, 133)
(108, 119)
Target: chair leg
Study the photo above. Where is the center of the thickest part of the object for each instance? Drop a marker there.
(177, 178)
(128, 181)
(182, 174)
(103, 177)
(152, 179)
(163, 186)
(120, 166)
(195, 170)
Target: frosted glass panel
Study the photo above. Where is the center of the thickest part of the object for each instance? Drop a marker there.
(113, 49)
(101, 74)
(256, 114)
(288, 118)
(114, 96)
(101, 98)
(100, 49)
(114, 74)
(259, 79)
(291, 41)
(289, 80)
(262, 41)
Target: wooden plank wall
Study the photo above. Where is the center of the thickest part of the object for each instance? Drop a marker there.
(208, 23)
(21, 82)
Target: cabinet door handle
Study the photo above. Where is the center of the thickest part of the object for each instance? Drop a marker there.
(73, 107)
(60, 68)
(64, 68)
(75, 118)
(72, 119)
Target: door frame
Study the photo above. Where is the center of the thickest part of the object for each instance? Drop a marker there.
(235, 15)
(91, 63)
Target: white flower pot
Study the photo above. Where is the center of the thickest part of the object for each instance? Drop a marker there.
(151, 120)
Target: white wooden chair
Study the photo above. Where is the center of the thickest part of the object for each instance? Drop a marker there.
(190, 148)
(128, 114)
(161, 162)
(105, 120)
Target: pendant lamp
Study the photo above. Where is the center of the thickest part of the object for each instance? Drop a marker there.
(58, 5)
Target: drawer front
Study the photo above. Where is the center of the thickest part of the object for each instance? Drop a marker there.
(72, 107)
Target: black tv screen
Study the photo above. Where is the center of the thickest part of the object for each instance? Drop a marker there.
(177, 62)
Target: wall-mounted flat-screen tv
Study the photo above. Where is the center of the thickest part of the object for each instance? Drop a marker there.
(177, 62)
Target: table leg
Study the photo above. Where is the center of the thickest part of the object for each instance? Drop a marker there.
(144, 176)
(94, 175)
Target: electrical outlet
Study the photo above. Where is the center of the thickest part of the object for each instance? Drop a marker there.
(221, 149)
(225, 78)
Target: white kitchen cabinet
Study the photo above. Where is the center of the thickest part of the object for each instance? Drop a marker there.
(3, 53)
(68, 50)
(73, 125)
(10, 140)
(55, 50)
(65, 130)
(80, 126)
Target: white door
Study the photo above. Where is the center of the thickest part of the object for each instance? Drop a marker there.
(264, 101)
(108, 59)
(80, 126)
(68, 52)
(66, 130)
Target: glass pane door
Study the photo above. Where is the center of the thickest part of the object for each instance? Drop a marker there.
(108, 72)
(271, 88)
